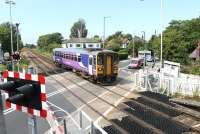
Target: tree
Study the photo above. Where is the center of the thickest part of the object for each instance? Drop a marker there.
(44, 40)
(79, 29)
(179, 40)
(5, 37)
(97, 38)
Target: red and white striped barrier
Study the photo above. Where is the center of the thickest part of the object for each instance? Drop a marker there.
(32, 77)
(54, 124)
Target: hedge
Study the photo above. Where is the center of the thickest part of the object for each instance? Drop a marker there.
(123, 56)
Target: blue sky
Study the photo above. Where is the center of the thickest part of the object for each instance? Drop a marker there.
(37, 17)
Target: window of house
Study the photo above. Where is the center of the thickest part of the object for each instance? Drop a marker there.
(78, 45)
(70, 45)
(97, 45)
(84, 46)
(90, 45)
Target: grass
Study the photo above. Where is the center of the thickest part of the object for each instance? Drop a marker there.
(43, 52)
(195, 96)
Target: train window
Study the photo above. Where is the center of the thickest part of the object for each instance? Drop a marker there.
(94, 60)
(90, 60)
(100, 60)
(61, 54)
(70, 57)
(79, 58)
(115, 59)
(75, 58)
(67, 56)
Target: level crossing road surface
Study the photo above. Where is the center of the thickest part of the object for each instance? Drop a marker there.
(62, 102)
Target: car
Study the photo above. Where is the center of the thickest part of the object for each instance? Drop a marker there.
(136, 63)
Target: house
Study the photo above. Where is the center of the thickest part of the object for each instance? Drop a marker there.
(124, 43)
(196, 53)
(81, 43)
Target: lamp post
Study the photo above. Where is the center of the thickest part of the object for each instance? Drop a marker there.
(17, 27)
(10, 2)
(133, 44)
(145, 47)
(161, 38)
(104, 28)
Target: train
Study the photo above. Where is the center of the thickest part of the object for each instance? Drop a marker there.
(100, 65)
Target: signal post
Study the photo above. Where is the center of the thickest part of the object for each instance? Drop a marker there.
(25, 93)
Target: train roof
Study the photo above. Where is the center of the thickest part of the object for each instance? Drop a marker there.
(83, 51)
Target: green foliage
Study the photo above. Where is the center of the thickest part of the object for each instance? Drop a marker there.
(114, 47)
(179, 40)
(32, 46)
(45, 40)
(124, 50)
(52, 46)
(24, 61)
(79, 29)
(5, 37)
(97, 38)
(137, 45)
(123, 55)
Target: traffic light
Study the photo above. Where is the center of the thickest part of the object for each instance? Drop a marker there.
(25, 92)
(16, 56)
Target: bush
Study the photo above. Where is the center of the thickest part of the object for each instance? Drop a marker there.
(123, 56)
(124, 50)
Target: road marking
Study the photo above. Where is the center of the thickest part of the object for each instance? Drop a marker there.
(93, 100)
(69, 115)
(115, 104)
(197, 125)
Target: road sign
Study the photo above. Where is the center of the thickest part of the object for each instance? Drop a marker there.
(25, 92)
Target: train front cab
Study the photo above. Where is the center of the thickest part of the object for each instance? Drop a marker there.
(106, 67)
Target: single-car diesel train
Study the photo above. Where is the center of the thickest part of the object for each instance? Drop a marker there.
(100, 65)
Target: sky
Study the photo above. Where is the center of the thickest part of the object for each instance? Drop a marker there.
(38, 17)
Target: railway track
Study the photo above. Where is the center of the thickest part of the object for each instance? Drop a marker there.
(141, 113)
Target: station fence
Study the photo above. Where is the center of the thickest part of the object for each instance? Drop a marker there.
(185, 84)
(77, 123)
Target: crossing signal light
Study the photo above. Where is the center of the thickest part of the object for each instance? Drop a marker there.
(25, 91)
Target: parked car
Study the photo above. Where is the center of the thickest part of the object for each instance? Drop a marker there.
(136, 63)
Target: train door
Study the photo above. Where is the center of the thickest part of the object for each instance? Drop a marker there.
(90, 64)
(108, 64)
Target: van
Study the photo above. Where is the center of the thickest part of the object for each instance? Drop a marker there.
(136, 63)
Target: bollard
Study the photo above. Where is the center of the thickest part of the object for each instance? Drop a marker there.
(65, 126)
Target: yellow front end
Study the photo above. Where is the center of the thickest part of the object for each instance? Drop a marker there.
(106, 67)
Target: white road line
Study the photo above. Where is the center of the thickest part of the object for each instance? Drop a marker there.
(7, 111)
(197, 125)
(115, 104)
(69, 115)
(92, 100)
